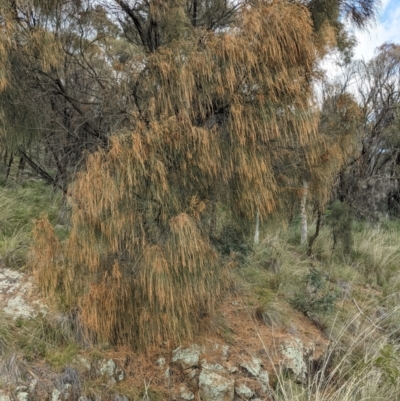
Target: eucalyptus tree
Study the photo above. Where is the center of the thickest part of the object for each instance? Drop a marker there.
(62, 91)
(371, 181)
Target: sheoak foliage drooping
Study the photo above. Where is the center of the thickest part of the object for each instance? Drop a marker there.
(223, 117)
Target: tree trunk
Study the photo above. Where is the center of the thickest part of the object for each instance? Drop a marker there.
(303, 214)
(9, 165)
(257, 231)
(315, 236)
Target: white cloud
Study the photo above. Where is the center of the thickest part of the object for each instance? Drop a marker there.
(387, 29)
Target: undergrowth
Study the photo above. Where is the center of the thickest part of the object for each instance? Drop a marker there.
(351, 295)
(20, 205)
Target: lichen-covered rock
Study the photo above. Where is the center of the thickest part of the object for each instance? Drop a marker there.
(67, 393)
(16, 295)
(109, 369)
(293, 361)
(186, 357)
(216, 386)
(23, 396)
(243, 391)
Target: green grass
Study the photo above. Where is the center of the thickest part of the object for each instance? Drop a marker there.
(20, 205)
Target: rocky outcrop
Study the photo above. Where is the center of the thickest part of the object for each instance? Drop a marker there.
(17, 295)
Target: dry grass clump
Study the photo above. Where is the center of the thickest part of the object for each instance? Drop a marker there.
(377, 251)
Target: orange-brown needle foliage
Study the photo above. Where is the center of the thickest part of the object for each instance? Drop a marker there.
(223, 117)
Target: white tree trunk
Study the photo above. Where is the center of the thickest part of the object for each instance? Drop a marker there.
(303, 214)
(257, 231)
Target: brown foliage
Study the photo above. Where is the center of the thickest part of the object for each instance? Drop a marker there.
(226, 117)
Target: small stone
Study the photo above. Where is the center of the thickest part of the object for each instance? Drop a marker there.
(186, 394)
(55, 395)
(293, 353)
(22, 396)
(225, 352)
(160, 362)
(216, 367)
(120, 375)
(32, 385)
(186, 357)
(119, 397)
(167, 376)
(231, 368)
(253, 367)
(243, 391)
(107, 368)
(214, 386)
(263, 378)
(66, 391)
(293, 330)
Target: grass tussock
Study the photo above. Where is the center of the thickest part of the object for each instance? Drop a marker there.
(20, 205)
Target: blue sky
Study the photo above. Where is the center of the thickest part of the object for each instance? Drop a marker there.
(385, 29)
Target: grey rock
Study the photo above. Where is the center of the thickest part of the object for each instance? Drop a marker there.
(56, 395)
(167, 377)
(186, 357)
(32, 385)
(243, 391)
(186, 394)
(293, 353)
(22, 396)
(107, 368)
(215, 386)
(212, 366)
(263, 378)
(160, 362)
(119, 397)
(225, 352)
(4, 396)
(120, 375)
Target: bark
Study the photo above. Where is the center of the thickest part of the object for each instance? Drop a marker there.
(257, 230)
(315, 235)
(303, 214)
